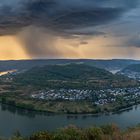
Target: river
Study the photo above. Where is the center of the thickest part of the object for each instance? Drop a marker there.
(27, 122)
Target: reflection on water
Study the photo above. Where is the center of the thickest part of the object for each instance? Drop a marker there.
(17, 111)
(124, 110)
(22, 112)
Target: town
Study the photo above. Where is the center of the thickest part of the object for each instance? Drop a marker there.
(98, 97)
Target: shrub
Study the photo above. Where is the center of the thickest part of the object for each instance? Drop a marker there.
(94, 133)
(110, 130)
(69, 133)
(41, 136)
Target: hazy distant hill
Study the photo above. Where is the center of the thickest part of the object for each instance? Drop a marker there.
(132, 71)
(115, 64)
(133, 67)
(72, 76)
(112, 65)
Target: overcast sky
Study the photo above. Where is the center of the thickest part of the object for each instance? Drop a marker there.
(101, 29)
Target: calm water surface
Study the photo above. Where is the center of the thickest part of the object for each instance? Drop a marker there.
(13, 119)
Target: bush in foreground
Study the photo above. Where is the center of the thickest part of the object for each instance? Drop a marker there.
(107, 132)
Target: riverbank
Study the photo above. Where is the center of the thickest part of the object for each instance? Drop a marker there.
(29, 108)
(30, 105)
(55, 107)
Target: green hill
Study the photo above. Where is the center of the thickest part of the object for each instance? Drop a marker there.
(72, 76)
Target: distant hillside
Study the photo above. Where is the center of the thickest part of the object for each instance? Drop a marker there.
(115, 64)
(133, 67)
(72, 76)
(112, 65)
(131, 71)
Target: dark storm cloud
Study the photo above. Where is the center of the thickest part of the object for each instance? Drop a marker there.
(59, 15)
(38, 23)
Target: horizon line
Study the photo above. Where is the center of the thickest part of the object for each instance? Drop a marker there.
(41, 59)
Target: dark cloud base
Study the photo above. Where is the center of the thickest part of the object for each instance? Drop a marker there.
(60, 15)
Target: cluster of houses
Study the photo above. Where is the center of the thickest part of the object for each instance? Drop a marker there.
(63, 94)
(99, 97)
(112, 95)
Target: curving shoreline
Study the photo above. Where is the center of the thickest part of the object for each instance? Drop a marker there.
(70, 114)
